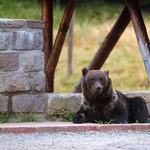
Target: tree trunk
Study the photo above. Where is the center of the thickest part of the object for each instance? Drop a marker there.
(47, 17)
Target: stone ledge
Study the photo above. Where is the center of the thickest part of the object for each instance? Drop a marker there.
(66, 101)
(58, 101)
(51, 104)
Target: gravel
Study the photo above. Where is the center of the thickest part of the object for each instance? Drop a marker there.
(110, 140)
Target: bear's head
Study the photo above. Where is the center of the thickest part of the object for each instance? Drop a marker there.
(95, 81)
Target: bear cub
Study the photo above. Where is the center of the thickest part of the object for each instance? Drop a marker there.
(101, 102)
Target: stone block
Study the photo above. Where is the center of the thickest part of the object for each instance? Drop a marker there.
(33, 61)
(39, 82)
(13, 23)
(35, 24)
(29, 103)
(65, 101)
(9, 61)
(4, 103)
(14, 82)
(4, 41)
(38, 40)
(23, 40)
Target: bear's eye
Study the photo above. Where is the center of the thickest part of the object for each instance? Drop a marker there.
(101, 79)
(92, 79)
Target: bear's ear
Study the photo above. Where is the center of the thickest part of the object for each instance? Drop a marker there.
(107, 72)
(84, 71)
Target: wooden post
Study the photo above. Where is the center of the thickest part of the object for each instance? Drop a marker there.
(47, 16)
(108, 44)
(140, 31)
(70, 46)
(53, 60)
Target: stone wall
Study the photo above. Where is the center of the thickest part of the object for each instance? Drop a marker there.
(22, 78)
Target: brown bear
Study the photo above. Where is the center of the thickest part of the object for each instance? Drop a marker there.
(101, 102)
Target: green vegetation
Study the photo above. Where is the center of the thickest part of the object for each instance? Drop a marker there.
(148, 121)
(19, 117)
(92, 23)
(66, 115)
(61, 115)
(111, 122)
(20, 9)
(101, 122)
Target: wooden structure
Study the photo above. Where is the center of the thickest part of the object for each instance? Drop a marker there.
(52, 52)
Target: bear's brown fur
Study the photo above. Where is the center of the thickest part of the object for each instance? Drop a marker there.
(102, 102)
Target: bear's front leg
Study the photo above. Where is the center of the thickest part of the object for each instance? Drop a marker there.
(83, 115)
(120, 115)
(79, 118)
(86, 115)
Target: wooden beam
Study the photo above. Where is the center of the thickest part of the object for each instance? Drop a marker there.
(47, 17)
(70, 46)
(108, 44)
(140, 31)
(53, 60)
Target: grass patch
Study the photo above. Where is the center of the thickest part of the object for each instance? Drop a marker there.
(20, 9)
(125, 63)
(101, 122)
(20, 117)
(148, 121)
(61, 115)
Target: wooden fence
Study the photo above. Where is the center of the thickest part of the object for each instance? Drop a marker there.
(52, 52)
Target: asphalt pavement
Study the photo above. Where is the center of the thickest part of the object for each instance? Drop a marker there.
(91, 140)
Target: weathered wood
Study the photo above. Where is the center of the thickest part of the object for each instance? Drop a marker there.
(47, 16)
(108, 44)
(70, 46)
(52, 62)
(141, 33)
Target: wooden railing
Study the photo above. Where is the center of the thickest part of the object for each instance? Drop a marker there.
(130, 12)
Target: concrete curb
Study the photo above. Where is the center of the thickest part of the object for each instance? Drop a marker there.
(32, 127)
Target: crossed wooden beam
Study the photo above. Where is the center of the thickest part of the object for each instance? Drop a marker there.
(130, 12)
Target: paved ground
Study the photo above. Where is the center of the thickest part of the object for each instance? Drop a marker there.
(108, 140)
(69, 136)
